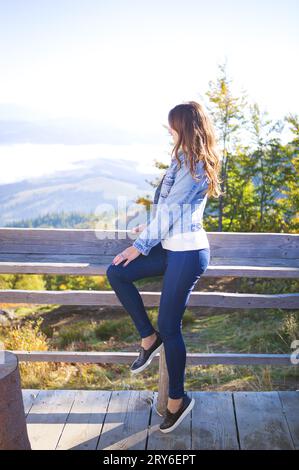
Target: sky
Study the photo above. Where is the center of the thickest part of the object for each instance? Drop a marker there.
(90, 78)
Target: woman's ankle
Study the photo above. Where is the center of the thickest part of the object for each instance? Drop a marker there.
(147, 342)
(174, 404)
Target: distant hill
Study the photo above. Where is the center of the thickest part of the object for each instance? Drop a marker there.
(80, 190)
(58, 220)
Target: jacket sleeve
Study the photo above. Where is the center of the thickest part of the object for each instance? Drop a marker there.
(172, 207)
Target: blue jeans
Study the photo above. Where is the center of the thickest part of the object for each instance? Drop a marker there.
(181, 270)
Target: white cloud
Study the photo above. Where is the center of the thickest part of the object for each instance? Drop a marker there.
(21, 161)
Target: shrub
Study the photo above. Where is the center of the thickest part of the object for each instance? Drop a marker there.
(122, 330)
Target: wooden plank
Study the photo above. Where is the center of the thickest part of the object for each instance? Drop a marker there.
(252, 261)
(150, 299)
(265, 420)
(290, 407)
(261, 421)
(60, 248)
(47, 417)
(29, 260)
(105, 259)
(178, 439)
(41, 247)
(55, 249)
(128, 357)
(163, 383)
(236, 300)
(225, 244)
(98, 247)
(252, 271)
(265, 241)
(29, 396)
(49, 258)
(78, 357)
(213, 421)
(107, 239)
(84, 423)
(81, 269)
(126, 422)
(88, 269)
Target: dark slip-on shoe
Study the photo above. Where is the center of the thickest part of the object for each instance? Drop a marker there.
(146, 355)
(172, 420)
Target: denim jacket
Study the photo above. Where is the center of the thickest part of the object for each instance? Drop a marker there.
(179, 203)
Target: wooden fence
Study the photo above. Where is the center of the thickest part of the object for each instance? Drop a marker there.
(89, 252)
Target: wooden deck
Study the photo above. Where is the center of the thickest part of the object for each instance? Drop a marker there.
(126, 419)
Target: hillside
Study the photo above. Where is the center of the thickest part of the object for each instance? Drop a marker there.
(84, 189)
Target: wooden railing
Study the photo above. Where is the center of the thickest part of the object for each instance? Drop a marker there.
(89, 252)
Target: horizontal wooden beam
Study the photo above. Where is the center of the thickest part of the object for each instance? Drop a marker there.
(150, 299)
(108, 242)
(89, 269)
(128, 358)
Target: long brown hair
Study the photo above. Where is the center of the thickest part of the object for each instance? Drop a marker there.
(197, 139)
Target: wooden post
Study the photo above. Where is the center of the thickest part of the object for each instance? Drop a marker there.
(163, 383)
(13, 430)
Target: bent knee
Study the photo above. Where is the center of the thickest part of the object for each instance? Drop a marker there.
(111, 271)
(116, 271)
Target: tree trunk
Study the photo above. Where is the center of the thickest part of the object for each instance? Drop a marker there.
(13, 430)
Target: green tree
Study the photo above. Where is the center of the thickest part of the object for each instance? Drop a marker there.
(289, 202)
(228, 114)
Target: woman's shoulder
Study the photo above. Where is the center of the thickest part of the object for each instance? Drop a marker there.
(186, 164)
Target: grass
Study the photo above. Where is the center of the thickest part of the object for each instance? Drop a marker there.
(252, 331)
(54, 327)
(118, 329)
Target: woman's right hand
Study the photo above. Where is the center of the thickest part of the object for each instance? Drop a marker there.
(138, 228)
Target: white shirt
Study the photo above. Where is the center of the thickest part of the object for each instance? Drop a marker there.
(186, 241)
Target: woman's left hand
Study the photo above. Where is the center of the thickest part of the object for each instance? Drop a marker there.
(129, 254)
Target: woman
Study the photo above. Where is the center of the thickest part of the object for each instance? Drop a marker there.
(174, 244)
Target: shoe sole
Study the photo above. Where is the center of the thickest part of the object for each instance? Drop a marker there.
(180, 419)
(147, 363)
